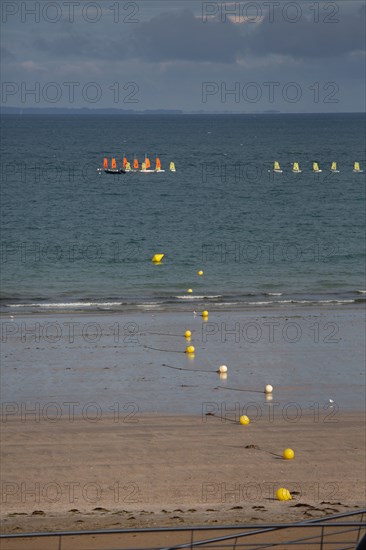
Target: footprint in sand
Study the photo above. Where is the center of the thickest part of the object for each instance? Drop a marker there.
(301, 505)
(38, 513)
(314, 512)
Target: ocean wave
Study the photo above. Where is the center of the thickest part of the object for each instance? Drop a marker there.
(203, 297)
(70, 305)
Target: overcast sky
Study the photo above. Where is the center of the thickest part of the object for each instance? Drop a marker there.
(190, 55)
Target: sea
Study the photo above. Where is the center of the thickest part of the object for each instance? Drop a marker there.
(77, 240)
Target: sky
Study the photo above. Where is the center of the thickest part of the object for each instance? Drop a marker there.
(247, 56)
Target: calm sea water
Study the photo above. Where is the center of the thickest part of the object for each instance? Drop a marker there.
(73, 239)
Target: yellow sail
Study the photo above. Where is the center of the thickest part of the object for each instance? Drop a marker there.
(316, 167)
(128, 167)
(143, 167)
(334, 167)
(357, 167)
(277, 165)
(172, 167)
(296, 168)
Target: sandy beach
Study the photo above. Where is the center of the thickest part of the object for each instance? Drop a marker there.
(176, 470)
(125, 434)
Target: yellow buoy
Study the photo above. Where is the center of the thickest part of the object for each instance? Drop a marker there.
(283, 494)
(187, 334)
(200, 272)
(189, 290)
(288, 454)
(190, 349)
(157, 258)
(244, 420)
(205, 313)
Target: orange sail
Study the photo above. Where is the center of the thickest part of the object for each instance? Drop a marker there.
(105, 163)
(125, 161)
(157, 164)
(114, 164)
(147, 163)
(136, 164)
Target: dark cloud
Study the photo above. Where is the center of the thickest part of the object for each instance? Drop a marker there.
(82, 45)
(307, 39)
(6, 54)
(181, 36)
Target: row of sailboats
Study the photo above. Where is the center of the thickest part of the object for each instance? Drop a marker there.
(145, 166)
(316, 169)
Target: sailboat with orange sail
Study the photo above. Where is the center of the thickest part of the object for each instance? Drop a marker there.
(133, 166)
(158, 165)
(146, 165)
(113, 169)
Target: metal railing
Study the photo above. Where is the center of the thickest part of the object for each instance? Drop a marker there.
(338, 532)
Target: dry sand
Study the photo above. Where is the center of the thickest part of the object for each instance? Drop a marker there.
(177, 470)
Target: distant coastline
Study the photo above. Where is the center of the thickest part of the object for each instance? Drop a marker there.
(128, 112)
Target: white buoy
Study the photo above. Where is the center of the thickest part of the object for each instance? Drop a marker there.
(222, 369)
(268, 389)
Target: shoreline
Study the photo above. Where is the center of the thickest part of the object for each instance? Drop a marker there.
(187, 307)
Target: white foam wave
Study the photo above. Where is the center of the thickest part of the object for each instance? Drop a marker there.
(68, 304)
(194, 297)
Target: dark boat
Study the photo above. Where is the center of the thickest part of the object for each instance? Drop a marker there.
(114, 171)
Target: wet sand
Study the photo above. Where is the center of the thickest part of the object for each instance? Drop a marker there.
(309, 355)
